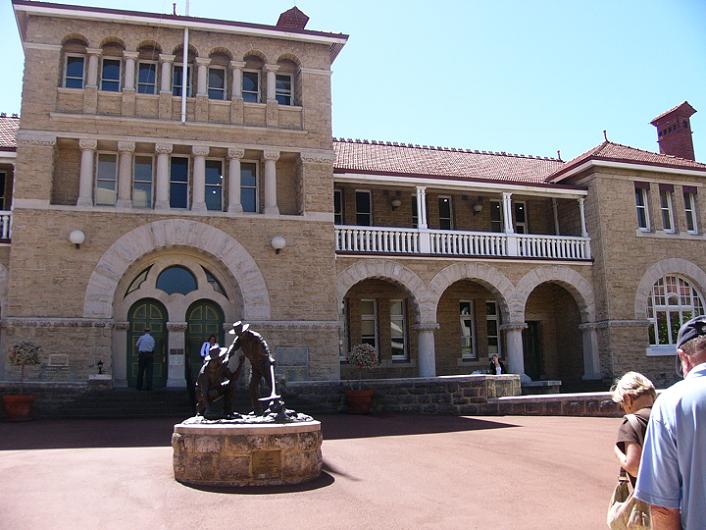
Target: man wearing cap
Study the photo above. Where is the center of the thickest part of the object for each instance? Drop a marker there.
(145, 359)
(672, 475)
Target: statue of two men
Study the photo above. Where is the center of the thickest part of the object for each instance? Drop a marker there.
(217, 380)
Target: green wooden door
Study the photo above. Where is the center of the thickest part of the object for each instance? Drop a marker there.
(147, 314)
(204, 319)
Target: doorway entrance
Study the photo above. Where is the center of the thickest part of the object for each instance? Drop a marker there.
(532, 344)
(204, 318)
(150, 314)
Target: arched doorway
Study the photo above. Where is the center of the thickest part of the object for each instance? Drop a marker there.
(204, 318)
(147, 313)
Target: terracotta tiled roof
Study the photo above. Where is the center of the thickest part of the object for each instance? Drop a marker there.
(612, 152)
(8, 131)
(392, 158)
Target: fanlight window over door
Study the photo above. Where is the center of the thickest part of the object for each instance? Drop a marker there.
(673, 301)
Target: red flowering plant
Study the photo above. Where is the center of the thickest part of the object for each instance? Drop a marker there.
(23, 354)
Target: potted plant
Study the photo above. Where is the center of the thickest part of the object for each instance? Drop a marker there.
(18, 407)
(359, 399)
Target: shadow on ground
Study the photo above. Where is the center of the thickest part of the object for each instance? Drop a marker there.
(157, 432)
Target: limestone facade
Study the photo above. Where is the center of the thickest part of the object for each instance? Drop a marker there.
(179, 198)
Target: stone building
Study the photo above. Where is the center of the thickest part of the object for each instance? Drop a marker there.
(141, 193)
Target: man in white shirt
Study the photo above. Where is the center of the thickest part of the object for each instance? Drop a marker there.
(145, 360)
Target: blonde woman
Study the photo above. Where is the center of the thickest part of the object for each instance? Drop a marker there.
(635, 394)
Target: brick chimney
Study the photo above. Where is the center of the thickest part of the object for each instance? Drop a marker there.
(674, 131)
(292, 19)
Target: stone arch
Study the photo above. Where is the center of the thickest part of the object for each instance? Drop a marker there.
(569, 279)
(253, 52)
(394, 272)
(113, 264)
(75, 38)
(290, 57)
(149, 43)
(112, 42)
(680, 266)
(191, 52)
(489, 277)
(221, 51)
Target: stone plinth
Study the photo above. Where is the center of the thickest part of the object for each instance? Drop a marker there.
(222, 454)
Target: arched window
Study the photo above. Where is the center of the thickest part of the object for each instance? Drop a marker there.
(673, 301)
(176, 279)
(138, 281)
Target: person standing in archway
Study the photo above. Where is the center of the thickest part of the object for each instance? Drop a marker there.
(145, 361)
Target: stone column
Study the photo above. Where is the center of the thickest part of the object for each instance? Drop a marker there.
(555, 209)
(176, 349)
(85, 187)
(424, 237)
(591, 362)
(236, 91)
(271, 158)
(271, 70)
(202, 64)
(198, 195)
(515, 349)
(162, 190)
(119, 342)
(130, 58)
(507, 213)
(125, 174)
(425, 344)
(92, 72)
(582, 213)
(165, 84)
(235, 154)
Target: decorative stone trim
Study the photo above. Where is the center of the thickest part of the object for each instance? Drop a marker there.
(200, 150)
(20, 322)
(40, 46)
(177, 327)
(270, 155)
(163, 149)
(164, 58)
(317, 158)
(237, 64)
(126, 147)
(513, 325)
(291, 324)
(88, 144)
(236, 152)
(203, 61)
(121, 326)
(426, 326)
(35, 138)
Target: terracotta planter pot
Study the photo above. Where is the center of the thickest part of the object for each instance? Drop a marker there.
(18, 407)
(359, 401)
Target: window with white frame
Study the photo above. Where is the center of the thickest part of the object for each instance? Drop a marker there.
(690, 211)
(520, 209)
(496, 216)
(3, 182)
(468, 350)
(283, 89)
(147, 77)
(179, 182)
(398, 330)
(672, 302)
(74, 71)
(363, 208)
(251, 86)
(214, 185)
(665, 206)
(641, 202)
(248, 186)
(110, 75)
(492, 324)
(143, 178)
(445, 213)
(338, 207)
(106, 178)
(177, 80)
(216, 82)
(369, 322)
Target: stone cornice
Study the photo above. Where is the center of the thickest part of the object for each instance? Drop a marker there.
(513, 326)
(31, 322)
(309, 157)
(289, 324)
(35, 138)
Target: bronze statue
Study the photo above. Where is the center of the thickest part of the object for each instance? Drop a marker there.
(216, 381)
(254, 347)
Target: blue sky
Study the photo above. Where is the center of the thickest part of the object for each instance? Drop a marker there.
(518, 76)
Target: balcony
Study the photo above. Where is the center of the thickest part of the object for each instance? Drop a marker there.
(5, 226)
(411, 241)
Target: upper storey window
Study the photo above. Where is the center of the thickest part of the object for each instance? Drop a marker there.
(666, 207)
(106, 178)
(643, 215)
(216, 83)
(147, 77)
(179, 182)
(283, 89)
(74, 70)
(248, 186)
(690, 210)
(177, 80)
(251, 86)
(110, 75)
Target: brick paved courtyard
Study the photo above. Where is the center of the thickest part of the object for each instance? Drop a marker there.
(381, 472)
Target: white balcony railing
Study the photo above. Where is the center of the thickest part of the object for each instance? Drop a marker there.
(379, 240)
(5, 225)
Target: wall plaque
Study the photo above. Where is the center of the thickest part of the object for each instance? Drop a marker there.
(266, 464)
